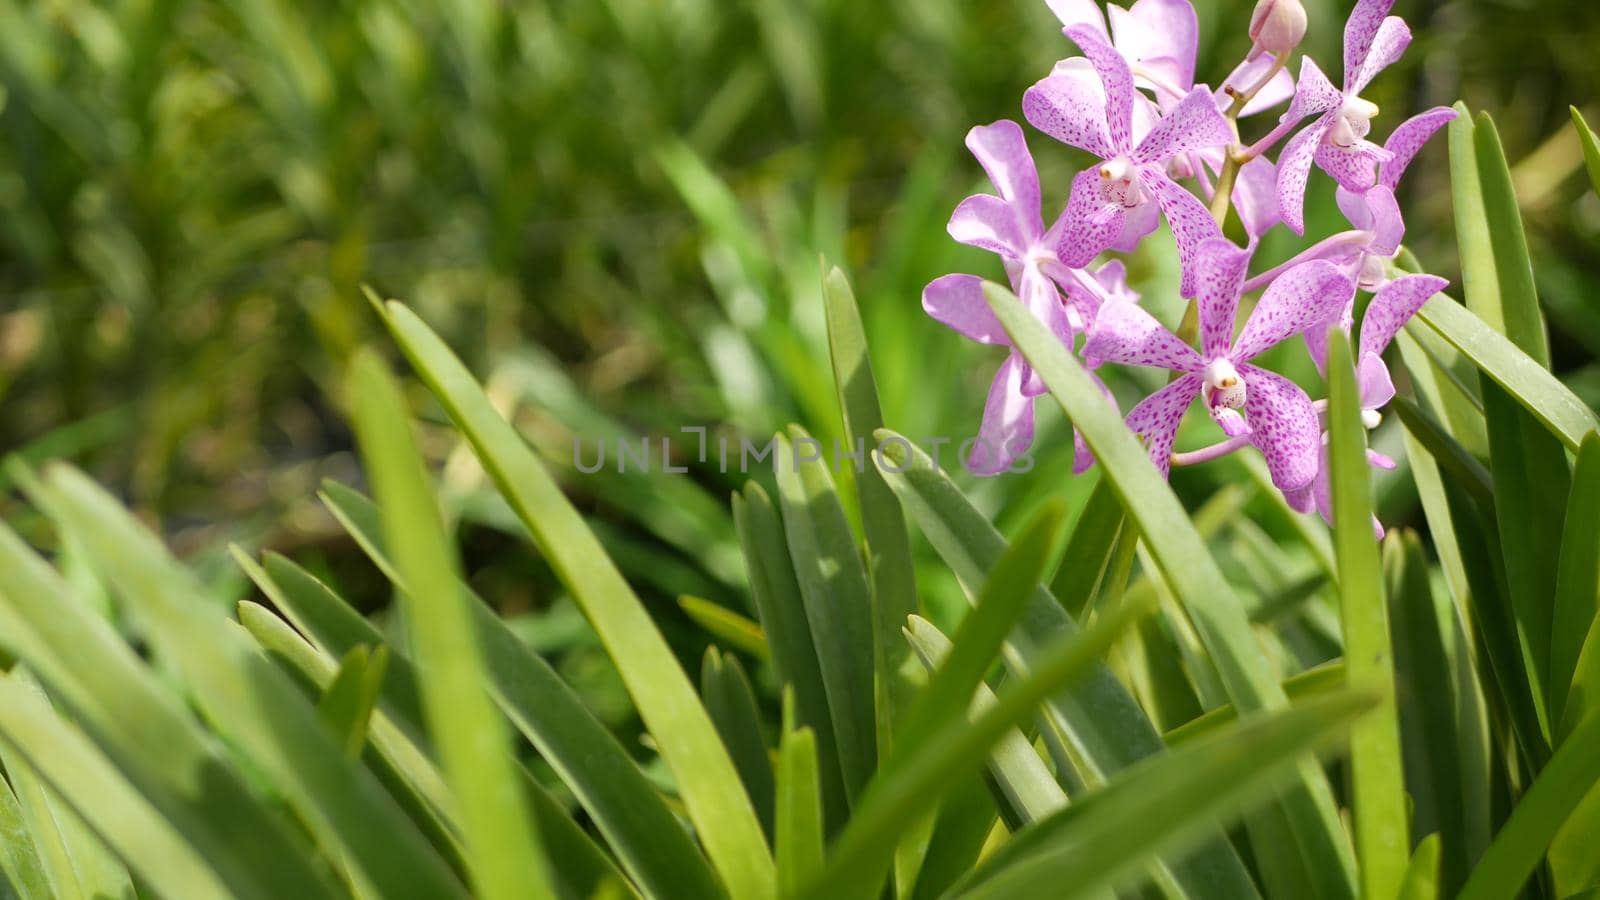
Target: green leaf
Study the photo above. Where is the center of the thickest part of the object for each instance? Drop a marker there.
(146, 730)
(626, 807)
(248, 699)
(1591, 148)
(967, 817)
(1376, 771)
(837, 600)
(783, 618)
(726, 625)
(1444, 726)
(1161, 804)
(1422, 875)
(153, 845)
(45, 815)
(1577, 582)
(895, 800)
(19, 858)
(1099, 722)
(1574, 866)
(894, 587)
(798, 835)
(503, 852)
(1028, 789)
(709, 784)
(1089, 549)
(347, 701)
(1518, 297)
(1184, 560)
(732, 705)
(1520, 844)
(1540, 393)
(1314, 682)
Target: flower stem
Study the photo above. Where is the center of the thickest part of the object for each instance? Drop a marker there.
(1215, 451)
(1222, 200)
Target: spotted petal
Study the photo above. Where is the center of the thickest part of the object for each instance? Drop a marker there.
(1193, 124)
(1191, 222)
(1407, 139)
(1354, 167)
(1082, 456)
(1375, 210)
(1219, 275)
(1392, 307)
(1294, 171)
(1255, 196)
(957, 301)
(1156, 419)
(1007, 429)
(1360, 32)
(1388, 45)
(1314, 94)
(1126, 334)
(1093, 224)
(1040, 296)
(1300, 299)
(1117, 79)
(1003, 152)
(1069, 104)
(1284, 426)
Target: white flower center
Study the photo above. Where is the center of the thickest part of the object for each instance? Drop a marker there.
(1354, 121)
(1119, 179)
(1373, 273)
(1371, 418)
(1223, 387)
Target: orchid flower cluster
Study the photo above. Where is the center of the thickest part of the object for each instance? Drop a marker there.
(1169, 148)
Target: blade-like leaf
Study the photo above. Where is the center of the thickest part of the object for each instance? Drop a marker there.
(503, 853)
(146, 731)
(799, 811)
(248, 699)
(894, 587)
(725, 819)
(1089, 549)
(895, 800)
(1161, 803)
(1183, 559)
(732, 705)
(19, 858)
(162, 857)
(783, 618)
(1591, 148)
(726, 625)
(1315, 682)
(1520, 844)
(1376, 771)
(1577, 583)
(348, 700)
(837, 600)
(630, 813)
(1513, 269)
(1530, 384)
(1422, 875)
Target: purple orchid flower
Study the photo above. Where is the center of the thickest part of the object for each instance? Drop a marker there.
(1114, 205)
(1158, 39)
(1336, 141)
(1010, 225)
(1277, 416)
(1391, 308)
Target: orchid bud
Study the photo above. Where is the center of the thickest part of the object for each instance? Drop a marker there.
(1277, 26)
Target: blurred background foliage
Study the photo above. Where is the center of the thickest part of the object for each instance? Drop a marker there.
(615, 210)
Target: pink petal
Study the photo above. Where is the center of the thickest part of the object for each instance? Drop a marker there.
(1007, 429)
(1300, 299)
(1354, 167)
(1090, 224)
(1229, 420)
(1126, 334)
(1082, 456)
(1280, 89)
(1139, 222)
(1294, 171)
(1313, 95)
(1040, 296)
(1284, 426)
(1408, 138)
(1069, 104)
(1193, 124)
(986, 221)
(1079, 12)
(1372, 378)
(1117, 80)
(1393, 306)
(1255, 196)
(1156, 419)
(1160, 35)
(1388, 225)
(1219, 275)
(1003, 152)
(1390, 43)
(957, 301)
(1359, 32)
(1190, 220)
